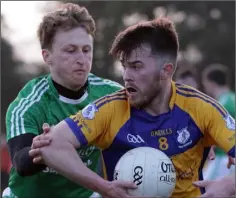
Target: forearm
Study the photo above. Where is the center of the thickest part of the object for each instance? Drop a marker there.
(23, 163)
(19, 150)
(65, 160)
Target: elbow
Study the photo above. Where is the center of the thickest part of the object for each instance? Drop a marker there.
(19, 148)
(23, 171)
(24, 165)
(62, 133)
(20, 168)
(31, 169)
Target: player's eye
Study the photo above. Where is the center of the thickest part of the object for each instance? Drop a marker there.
(136, 66)
(87, 49)
(70, 50)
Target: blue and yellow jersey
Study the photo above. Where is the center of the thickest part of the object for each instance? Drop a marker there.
(194, 123)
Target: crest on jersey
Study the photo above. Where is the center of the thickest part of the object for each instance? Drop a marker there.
(183, 135)
(89, 111)
(230, 122)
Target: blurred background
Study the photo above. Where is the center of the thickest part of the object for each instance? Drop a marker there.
(206, 33)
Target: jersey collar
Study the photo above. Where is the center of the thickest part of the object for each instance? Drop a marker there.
(173, 95)
(63, 98)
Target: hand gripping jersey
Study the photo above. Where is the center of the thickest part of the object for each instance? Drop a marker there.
(194, 123)
(37, 103)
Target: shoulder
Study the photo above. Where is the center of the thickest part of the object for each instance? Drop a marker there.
(118, 97)
(112, 105)
(194, 101)
(30, 95)
(115, 100)
(34, 87)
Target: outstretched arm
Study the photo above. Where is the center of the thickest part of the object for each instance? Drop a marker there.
(61, 155)
(86, 127)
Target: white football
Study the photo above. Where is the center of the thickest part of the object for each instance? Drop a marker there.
(150, 169)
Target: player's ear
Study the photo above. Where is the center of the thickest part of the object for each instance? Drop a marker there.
(47, 57)
(167, 70)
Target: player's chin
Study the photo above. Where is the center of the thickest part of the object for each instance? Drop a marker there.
(135, 102)
(132, 103)
(79, 79)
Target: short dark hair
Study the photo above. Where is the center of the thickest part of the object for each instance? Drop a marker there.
(159, 33)
(67, 17)
(218, 74)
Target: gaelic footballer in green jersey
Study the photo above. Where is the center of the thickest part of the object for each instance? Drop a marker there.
(66, 37)
(37, 103)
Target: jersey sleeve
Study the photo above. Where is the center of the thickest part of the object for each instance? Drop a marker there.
(220, 129)
(91, 125)
(23, 117)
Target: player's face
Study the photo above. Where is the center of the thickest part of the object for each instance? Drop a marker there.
(141, 76)
(70, 59)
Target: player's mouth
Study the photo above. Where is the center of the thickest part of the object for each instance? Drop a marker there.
(131, 91)
(79, 71)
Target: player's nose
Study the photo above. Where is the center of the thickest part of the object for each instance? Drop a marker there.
(80, 58)
(127, 75)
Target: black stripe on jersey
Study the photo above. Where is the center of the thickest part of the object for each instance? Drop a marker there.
(197, 95)
(120, 93)
(111, 99)
(189, 89)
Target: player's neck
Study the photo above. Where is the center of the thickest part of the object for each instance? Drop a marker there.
(160, 104)
(61, 82)
(68, 93)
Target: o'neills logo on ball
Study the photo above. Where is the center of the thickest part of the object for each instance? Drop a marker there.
(168, 179)
(167, 167)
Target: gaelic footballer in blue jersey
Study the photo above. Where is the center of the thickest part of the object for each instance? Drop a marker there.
(152, 111)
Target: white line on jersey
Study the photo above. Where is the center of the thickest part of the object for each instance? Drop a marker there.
(22, 103)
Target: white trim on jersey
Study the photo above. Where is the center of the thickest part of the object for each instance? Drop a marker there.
(94, 80)
(25, 103)
(106, 83)
(29, 105)
(73, 101)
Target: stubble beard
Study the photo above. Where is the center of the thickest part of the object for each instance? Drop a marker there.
(146, 99)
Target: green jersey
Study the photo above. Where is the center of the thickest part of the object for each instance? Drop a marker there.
(227, 100)
(37, 103)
